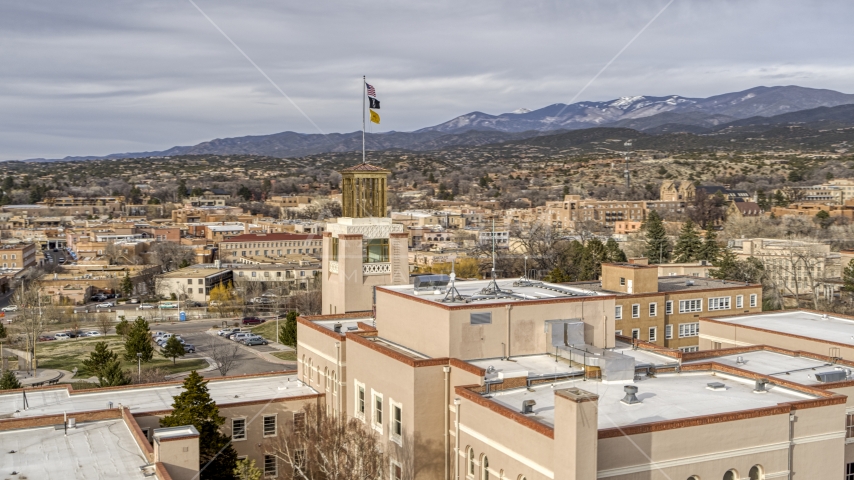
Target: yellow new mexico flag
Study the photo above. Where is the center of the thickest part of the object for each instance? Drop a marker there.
(375, 117)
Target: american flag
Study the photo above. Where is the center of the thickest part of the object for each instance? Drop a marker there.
(371, 91)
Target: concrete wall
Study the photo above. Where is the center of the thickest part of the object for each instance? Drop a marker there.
(730, 335)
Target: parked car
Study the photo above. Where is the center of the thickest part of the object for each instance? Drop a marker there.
(231, 335)
(145, 306)
(99, 297)
(252, 321)
(46, 338)
(61, 336)
(105, 305)
(10, 308)
(269, 295)
(133, 300)
(254, 340)
(237, 337)
(93, 333)
(189, 348)
(226, 331)
(168, 305)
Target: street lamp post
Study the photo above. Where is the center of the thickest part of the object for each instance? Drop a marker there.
(139, 366)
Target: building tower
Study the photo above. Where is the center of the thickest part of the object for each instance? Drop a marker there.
(362, 249)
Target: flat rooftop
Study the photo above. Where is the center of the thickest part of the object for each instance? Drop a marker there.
(664, 397)
(511, 288)
(347, 324)
(775, 365)
(194, 272)
(673, 283)
(819, 326)
(102, 449)
(149, 399)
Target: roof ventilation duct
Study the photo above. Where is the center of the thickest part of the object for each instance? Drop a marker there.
(832, 376)
(739, 360)
(761, 386)
(337, 328)
(631, 395)
(528, 406)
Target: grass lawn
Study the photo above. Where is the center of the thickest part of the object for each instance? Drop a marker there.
(285, 355)
(267, 329)
(67, 354)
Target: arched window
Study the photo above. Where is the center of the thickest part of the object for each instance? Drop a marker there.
(521, 477)
(484, 468)
(731, 475)
(693, 477)
(471, 462)
(303, 367)
(756, 473)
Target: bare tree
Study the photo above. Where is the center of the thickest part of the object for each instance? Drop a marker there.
(328, 446)
(225, 355)
(308, 302)
(104, 322)
(170, 255)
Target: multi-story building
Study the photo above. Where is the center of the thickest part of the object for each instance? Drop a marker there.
(665, 310)
(684, 191)
(18, 256)
(574, 210)
(797, 267)
(810, 210)
(192, 283)
(269, 247)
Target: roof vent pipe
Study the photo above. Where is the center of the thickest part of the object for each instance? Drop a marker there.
(739, 360)
(761, 386)
(528, 406)
(337, 328)
(631, 395)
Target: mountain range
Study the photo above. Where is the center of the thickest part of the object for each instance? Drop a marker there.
(752, 109)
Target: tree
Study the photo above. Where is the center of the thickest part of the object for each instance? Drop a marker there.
(181, 192)
(688, 245)
(126, 286)
(3, 332)
(122, 328)
(194, 406)
(710, 251)
(288, 331)
(99, 359)
(170, 255)
(173, 349)
(139, 341)
(327, 445)
(222, 297)
(615, 253)
(823, 219)
(848, 278)
(104, 322)
(9, 381)
(657, 245)
(244, 193)
(729, 267)
(780, 199)
(224, 354)
(246, 470)
(556, 276)
(114, 376)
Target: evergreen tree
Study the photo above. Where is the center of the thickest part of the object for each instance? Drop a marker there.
(173, 349)
(3, 332)
(139, 341)
(688, 245)
(431, 178)
(591, 264)
(127, 285)
(182, 189)
(9, 381)
(114, 376)
(848, 277)
(657, 245)
(615, 253)
(99, 360)
(556, 276)
(194, 406)
(246, 470)
(123, 328)
(288, 331)
(823, 218)
(710, 251)
(780, 199)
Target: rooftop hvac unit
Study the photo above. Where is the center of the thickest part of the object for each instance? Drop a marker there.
(631, 395)
(689, 283)
(832, 376)
(431, 282)
(715, 386)
(528, 406)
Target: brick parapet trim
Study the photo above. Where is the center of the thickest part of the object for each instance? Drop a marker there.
(468, 392)
(478, 306)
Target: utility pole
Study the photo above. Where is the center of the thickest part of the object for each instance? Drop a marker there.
(628, 146)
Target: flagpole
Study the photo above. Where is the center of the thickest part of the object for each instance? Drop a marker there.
(364, 94)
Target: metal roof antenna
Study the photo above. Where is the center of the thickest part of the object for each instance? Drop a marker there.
(628, 146)
(492, 288)
(452, 294)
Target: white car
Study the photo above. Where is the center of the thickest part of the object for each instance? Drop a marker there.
(145, 306)
(105, 305)
(10, 308)
(237, 337)
(93, 333)
(168, 305)
(61, 336)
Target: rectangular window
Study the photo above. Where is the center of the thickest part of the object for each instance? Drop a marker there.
(269, 425)
(668, 307)
(270, 469)
(622, 281)
(200, 281)
(299, 420)
(636, 310)
(668, 332)
(719, 303)
(374, 251)
(688, 306)
(653, 309)
(753, 300)
(689, 330)
(653, 334)
(360, 400)
(849, 425)
(618, 332)
(618, 312)
(635, 333)
(189, 281)
(334, 249)
(378, 410)
(396, 471)
(396, 421)
(739, 301)
(238, 429)
(689, 349)
(480, 318)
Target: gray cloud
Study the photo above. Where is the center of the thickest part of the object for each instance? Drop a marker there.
(90, 77)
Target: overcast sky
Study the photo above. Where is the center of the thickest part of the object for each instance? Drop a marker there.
(88, 77)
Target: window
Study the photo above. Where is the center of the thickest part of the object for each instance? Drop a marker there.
(687, 306)
(731, 475)
(739, 301)
(480, 318)
(378, 410)
(334, 249)
(689, 349)
(200, 281)
(484, 467)
(636, 310)
(270, 469)
(299, 420)
(753, 300)
(719, 303)
(360, 400)
(470, 472)
(201, 290)
(849, 471)
(269, 425)
(375, 251)
(396, 471)
(189, 281)
(622, 281)
(618, 312)
(849, 425)
(668, 332)
(635, 333)
(652, 333)
(756, 473)
(618, 332)
(238, 429)
(396, 421)
(653, 309)
(689, 330)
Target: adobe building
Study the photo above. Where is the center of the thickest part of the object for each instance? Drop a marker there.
(513, 379)
(363, 249)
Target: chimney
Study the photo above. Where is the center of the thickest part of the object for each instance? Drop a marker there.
(177, 448)
(576, 434)
(631, 395)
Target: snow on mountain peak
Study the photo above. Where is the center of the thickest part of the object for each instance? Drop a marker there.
(624, 102)
(521, 110)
